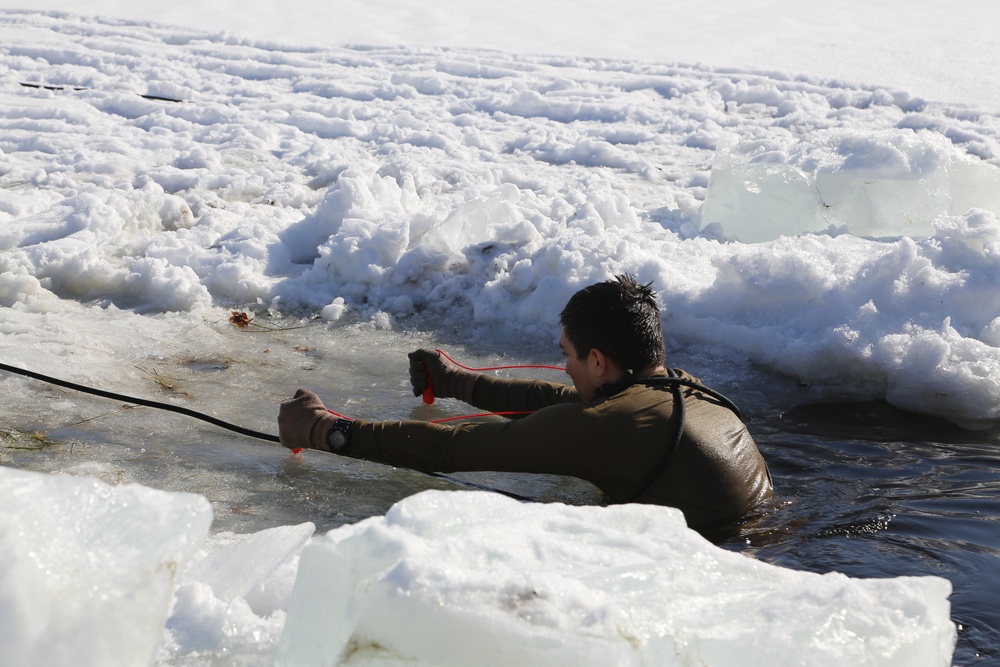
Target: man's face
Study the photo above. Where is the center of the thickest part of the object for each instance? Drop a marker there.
(579, 370)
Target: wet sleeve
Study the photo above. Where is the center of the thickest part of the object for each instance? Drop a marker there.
(559, 440)
(500, 395)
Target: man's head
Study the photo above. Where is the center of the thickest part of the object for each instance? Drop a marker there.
(620, 320)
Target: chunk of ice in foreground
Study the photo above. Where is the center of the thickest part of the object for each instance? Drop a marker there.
(231, 603)
(471, 578)
(87, 570)
(237, 569)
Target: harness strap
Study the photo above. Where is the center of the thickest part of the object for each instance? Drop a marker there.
(674, 382)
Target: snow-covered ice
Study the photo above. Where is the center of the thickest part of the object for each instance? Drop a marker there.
(155, 177)
(557, 585)
(444, 578)
(378, 185)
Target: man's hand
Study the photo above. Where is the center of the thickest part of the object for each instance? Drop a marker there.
(303, 422)
(448, 380)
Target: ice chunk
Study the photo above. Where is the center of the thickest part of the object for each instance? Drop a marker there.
(87, 570)
(465, 578)
(236, 569)
(874, 184)
(233, 600)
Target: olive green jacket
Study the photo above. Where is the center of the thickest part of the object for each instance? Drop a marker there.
(715, 475)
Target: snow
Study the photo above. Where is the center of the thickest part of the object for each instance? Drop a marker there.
(376, 168)
(936, 51)
(382, 185)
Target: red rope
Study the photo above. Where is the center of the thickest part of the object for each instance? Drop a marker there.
(482, 414)
(429, 395)
(445, 419)
(497, 368)
(298, 450)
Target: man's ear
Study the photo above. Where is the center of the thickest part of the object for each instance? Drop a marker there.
(599, 362)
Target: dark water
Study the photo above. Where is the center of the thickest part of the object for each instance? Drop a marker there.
(862, 489)
(871, 491)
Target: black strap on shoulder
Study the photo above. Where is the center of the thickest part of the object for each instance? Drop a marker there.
(673, 382)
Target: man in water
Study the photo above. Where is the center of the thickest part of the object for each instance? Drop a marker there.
(637, 431)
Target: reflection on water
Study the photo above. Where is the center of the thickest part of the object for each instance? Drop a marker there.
(861, 488)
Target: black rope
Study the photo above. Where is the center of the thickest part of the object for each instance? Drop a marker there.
(679, 409)
(212, 420)
(140, 401)
(674, 383)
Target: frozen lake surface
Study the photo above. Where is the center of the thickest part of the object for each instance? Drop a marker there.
(359, 202)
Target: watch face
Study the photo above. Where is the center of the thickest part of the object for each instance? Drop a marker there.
(336, 439)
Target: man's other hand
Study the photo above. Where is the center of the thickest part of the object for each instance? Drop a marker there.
(303, 422)
(448, 379)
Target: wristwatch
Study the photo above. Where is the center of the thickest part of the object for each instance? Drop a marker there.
(338, 439)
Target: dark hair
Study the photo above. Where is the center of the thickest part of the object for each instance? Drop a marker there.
(620, 318)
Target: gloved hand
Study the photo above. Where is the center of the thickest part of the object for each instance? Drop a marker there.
(303, 422)
(448, 380)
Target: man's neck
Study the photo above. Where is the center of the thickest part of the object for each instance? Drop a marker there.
(625, 379)
(647, 372)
